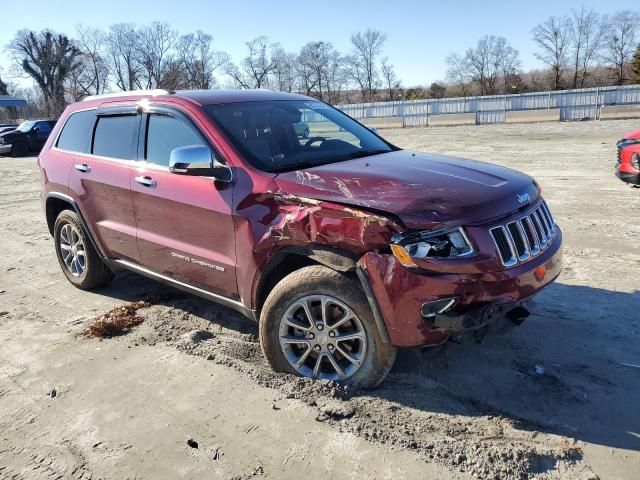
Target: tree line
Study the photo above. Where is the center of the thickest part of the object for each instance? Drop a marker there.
(582, 49)
(129, 57)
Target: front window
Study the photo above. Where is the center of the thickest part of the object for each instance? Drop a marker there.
(165, 133)
(26, 126)
(282, 135)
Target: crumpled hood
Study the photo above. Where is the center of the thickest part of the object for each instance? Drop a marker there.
(423, 190)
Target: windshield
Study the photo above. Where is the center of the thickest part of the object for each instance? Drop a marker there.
(26, 126)
(282, 135)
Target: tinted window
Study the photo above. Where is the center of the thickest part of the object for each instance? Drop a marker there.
(114, 136)
(76, 133)
(165, 133)
(44, 127)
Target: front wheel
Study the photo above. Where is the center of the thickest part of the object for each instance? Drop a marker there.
(19, 149)
(317, 323)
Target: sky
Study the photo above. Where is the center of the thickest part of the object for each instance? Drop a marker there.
(420, 33)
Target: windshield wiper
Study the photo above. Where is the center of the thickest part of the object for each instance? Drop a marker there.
(324, 161)
(363, 153)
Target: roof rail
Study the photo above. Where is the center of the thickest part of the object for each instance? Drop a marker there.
(129, 93)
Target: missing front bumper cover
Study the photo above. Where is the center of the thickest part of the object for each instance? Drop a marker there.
(488, 319)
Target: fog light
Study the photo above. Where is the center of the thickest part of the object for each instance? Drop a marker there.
(431, 309)
(539, 273)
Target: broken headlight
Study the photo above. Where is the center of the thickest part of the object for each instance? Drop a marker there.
(450, 243)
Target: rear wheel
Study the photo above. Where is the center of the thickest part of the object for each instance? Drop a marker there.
(317, 323)
(79, 261)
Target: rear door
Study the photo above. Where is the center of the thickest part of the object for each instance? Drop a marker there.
(184, 223)
(101, 181)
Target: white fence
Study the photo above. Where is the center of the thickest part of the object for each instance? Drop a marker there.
(573, 104)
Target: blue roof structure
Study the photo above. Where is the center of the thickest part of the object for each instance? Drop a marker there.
(8, 101)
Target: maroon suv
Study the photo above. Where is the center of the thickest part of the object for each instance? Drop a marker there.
(343, 246)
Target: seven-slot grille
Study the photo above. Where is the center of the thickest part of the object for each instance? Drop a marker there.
(619, 158)
(526, 237)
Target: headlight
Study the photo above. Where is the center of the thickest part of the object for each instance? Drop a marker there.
(451, 243)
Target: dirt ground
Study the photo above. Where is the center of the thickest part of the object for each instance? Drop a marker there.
(558, 397)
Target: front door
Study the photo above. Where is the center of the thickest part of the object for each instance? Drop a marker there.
(184, 223)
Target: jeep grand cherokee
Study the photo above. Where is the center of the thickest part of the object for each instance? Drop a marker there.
(341, 245)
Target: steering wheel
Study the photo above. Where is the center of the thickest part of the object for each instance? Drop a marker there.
(313, 140)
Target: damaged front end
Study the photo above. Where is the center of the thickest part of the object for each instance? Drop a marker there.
(424, 287)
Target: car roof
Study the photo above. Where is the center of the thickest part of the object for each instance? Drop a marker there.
(200, 97)
(211, 97)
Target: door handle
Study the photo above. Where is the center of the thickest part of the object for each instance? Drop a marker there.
(82, 167)
(146, 181)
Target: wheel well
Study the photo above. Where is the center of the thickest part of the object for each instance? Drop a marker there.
(53, 208)
(290, 259)
(276, 271)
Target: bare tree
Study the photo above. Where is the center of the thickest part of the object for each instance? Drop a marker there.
(620, 43)
(635, 65)
(314, 61)
(93, 75)
(458, 72)
(367, 47)
(491, 56)
(336, 78)
(284, 74)
(390, 79)
(587, 30)
(121, 46)
(199, 61)
(4, 88)
(306, 76)
(153, 51)
(509, 63)
(49, 59)
(256, 67)
(552, 37)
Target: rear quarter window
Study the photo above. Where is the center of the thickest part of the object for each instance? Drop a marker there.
(114, 136)
(76, 133)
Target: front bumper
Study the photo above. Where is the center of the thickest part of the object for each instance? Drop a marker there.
(5, 148)
(483, 299)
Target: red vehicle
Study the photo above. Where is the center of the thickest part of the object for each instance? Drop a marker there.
(628, 164)
(342, 246)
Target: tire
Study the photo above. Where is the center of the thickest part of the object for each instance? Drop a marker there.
(84, 270)
(287, 335)
(305, 134)
(19, 149)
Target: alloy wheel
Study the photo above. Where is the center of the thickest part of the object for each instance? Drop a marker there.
(323, 338)
(72, 250)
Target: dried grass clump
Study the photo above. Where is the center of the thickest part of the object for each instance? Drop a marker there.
(116, 321)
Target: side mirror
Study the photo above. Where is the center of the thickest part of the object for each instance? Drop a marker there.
(35, 129)
(373, 129)
(198, 160)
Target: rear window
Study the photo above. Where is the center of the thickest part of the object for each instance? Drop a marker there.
(76, 133)
(114, 136)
